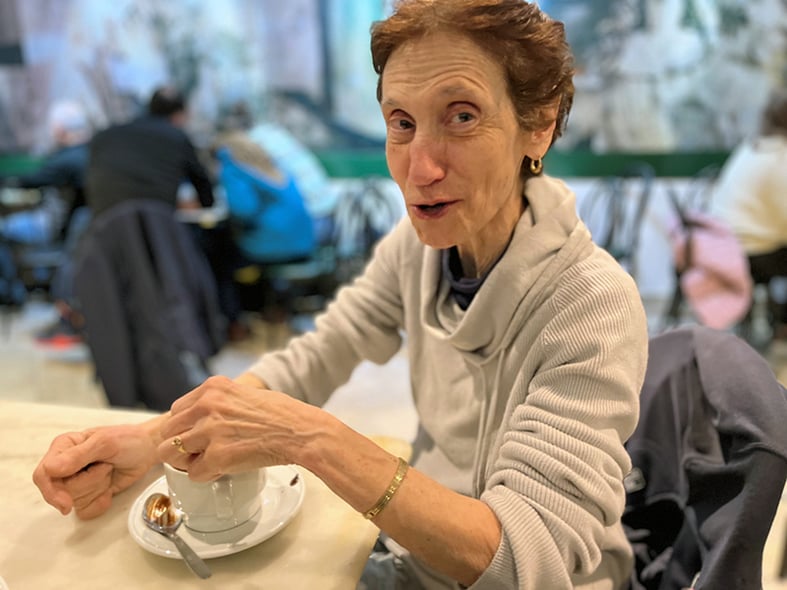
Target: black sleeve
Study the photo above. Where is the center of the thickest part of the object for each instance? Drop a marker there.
(55, 171)
(198, 176)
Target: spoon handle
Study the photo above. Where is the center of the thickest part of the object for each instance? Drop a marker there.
(194, 561)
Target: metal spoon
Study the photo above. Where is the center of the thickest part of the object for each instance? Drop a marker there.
(161, 516)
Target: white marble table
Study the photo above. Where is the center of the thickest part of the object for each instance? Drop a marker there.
(325, 546)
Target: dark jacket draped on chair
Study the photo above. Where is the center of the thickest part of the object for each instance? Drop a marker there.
(710, 463)
(150, 304)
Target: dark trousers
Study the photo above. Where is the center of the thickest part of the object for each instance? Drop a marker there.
(223, 257)
(763, 268)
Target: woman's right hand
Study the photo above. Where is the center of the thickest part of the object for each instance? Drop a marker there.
(83, 470)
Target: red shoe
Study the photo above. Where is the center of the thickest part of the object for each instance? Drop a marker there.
(60, 335)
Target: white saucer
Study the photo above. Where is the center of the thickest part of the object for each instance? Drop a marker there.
(280, 503)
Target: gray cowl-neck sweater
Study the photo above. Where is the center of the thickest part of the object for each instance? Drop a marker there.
(524, 399)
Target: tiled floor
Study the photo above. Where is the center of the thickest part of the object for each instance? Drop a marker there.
(375, 401)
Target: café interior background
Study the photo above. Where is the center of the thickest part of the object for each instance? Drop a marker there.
(653, 75)
(680, 80)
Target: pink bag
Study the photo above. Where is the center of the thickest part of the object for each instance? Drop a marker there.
(713, 270)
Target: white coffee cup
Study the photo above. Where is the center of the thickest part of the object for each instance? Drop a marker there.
(220, 505)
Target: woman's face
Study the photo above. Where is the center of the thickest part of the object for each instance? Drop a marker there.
(454, 145)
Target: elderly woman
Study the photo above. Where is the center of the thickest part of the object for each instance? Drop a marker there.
(527, 343)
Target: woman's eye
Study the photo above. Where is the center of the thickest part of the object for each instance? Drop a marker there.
(463, 117)
(400, 124)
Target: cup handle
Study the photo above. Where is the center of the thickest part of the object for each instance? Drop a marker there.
(222, 497)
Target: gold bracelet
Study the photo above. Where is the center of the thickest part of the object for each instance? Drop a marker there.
(397, 480)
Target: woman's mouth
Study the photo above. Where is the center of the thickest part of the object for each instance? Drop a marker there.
(432, 211)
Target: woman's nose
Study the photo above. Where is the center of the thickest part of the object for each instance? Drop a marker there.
(426, 161)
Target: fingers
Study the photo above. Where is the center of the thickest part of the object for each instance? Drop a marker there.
(53, 491)
(184, 415)
(219, 426)
(194, 460)
(96, 508)
(91, 490)
(70, 453)
(188, 400)
(199, 469)
(183, 449)
(78, 491)
(48, 474)
(177, 455)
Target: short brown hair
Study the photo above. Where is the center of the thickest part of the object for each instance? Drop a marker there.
(531, 47)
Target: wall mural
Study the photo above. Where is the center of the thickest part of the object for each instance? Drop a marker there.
(671, 75)
(653, 75)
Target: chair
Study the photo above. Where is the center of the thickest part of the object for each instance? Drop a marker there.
(364, 213)
(285, 290)
(38, 236)
(764, 305)
(614, 211)
(12, 289)
(150, 305)
(39, 264)
(709, 459)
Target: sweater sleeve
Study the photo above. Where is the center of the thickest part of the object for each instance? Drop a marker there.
(557, 481)
(362, 323)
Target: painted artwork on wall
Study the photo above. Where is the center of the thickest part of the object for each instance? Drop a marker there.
(671, 75)
(653, 75)
(304, 63)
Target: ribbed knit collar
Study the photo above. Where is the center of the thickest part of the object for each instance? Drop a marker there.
(548, 238)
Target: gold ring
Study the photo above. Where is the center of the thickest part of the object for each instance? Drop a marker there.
(178, 444)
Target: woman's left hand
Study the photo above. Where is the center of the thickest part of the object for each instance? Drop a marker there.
(229, 427)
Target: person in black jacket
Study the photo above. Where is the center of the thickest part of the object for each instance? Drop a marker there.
(150, 158)
(146, 158)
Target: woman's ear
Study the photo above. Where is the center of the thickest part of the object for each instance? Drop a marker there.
(540, 141)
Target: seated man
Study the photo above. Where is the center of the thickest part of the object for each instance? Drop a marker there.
(61, 212)
(63, 169)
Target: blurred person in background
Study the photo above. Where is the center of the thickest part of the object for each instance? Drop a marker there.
(146, 158)
(62, 213)
(152, 157)
(751, 198)
(272, 221)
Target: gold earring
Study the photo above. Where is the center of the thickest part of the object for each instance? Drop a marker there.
(536, 166)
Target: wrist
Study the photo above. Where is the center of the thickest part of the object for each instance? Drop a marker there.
(353, 466)
(250, 379)
(317, 436)
(151, 429)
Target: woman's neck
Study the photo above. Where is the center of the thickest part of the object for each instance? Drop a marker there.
(481, 252)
